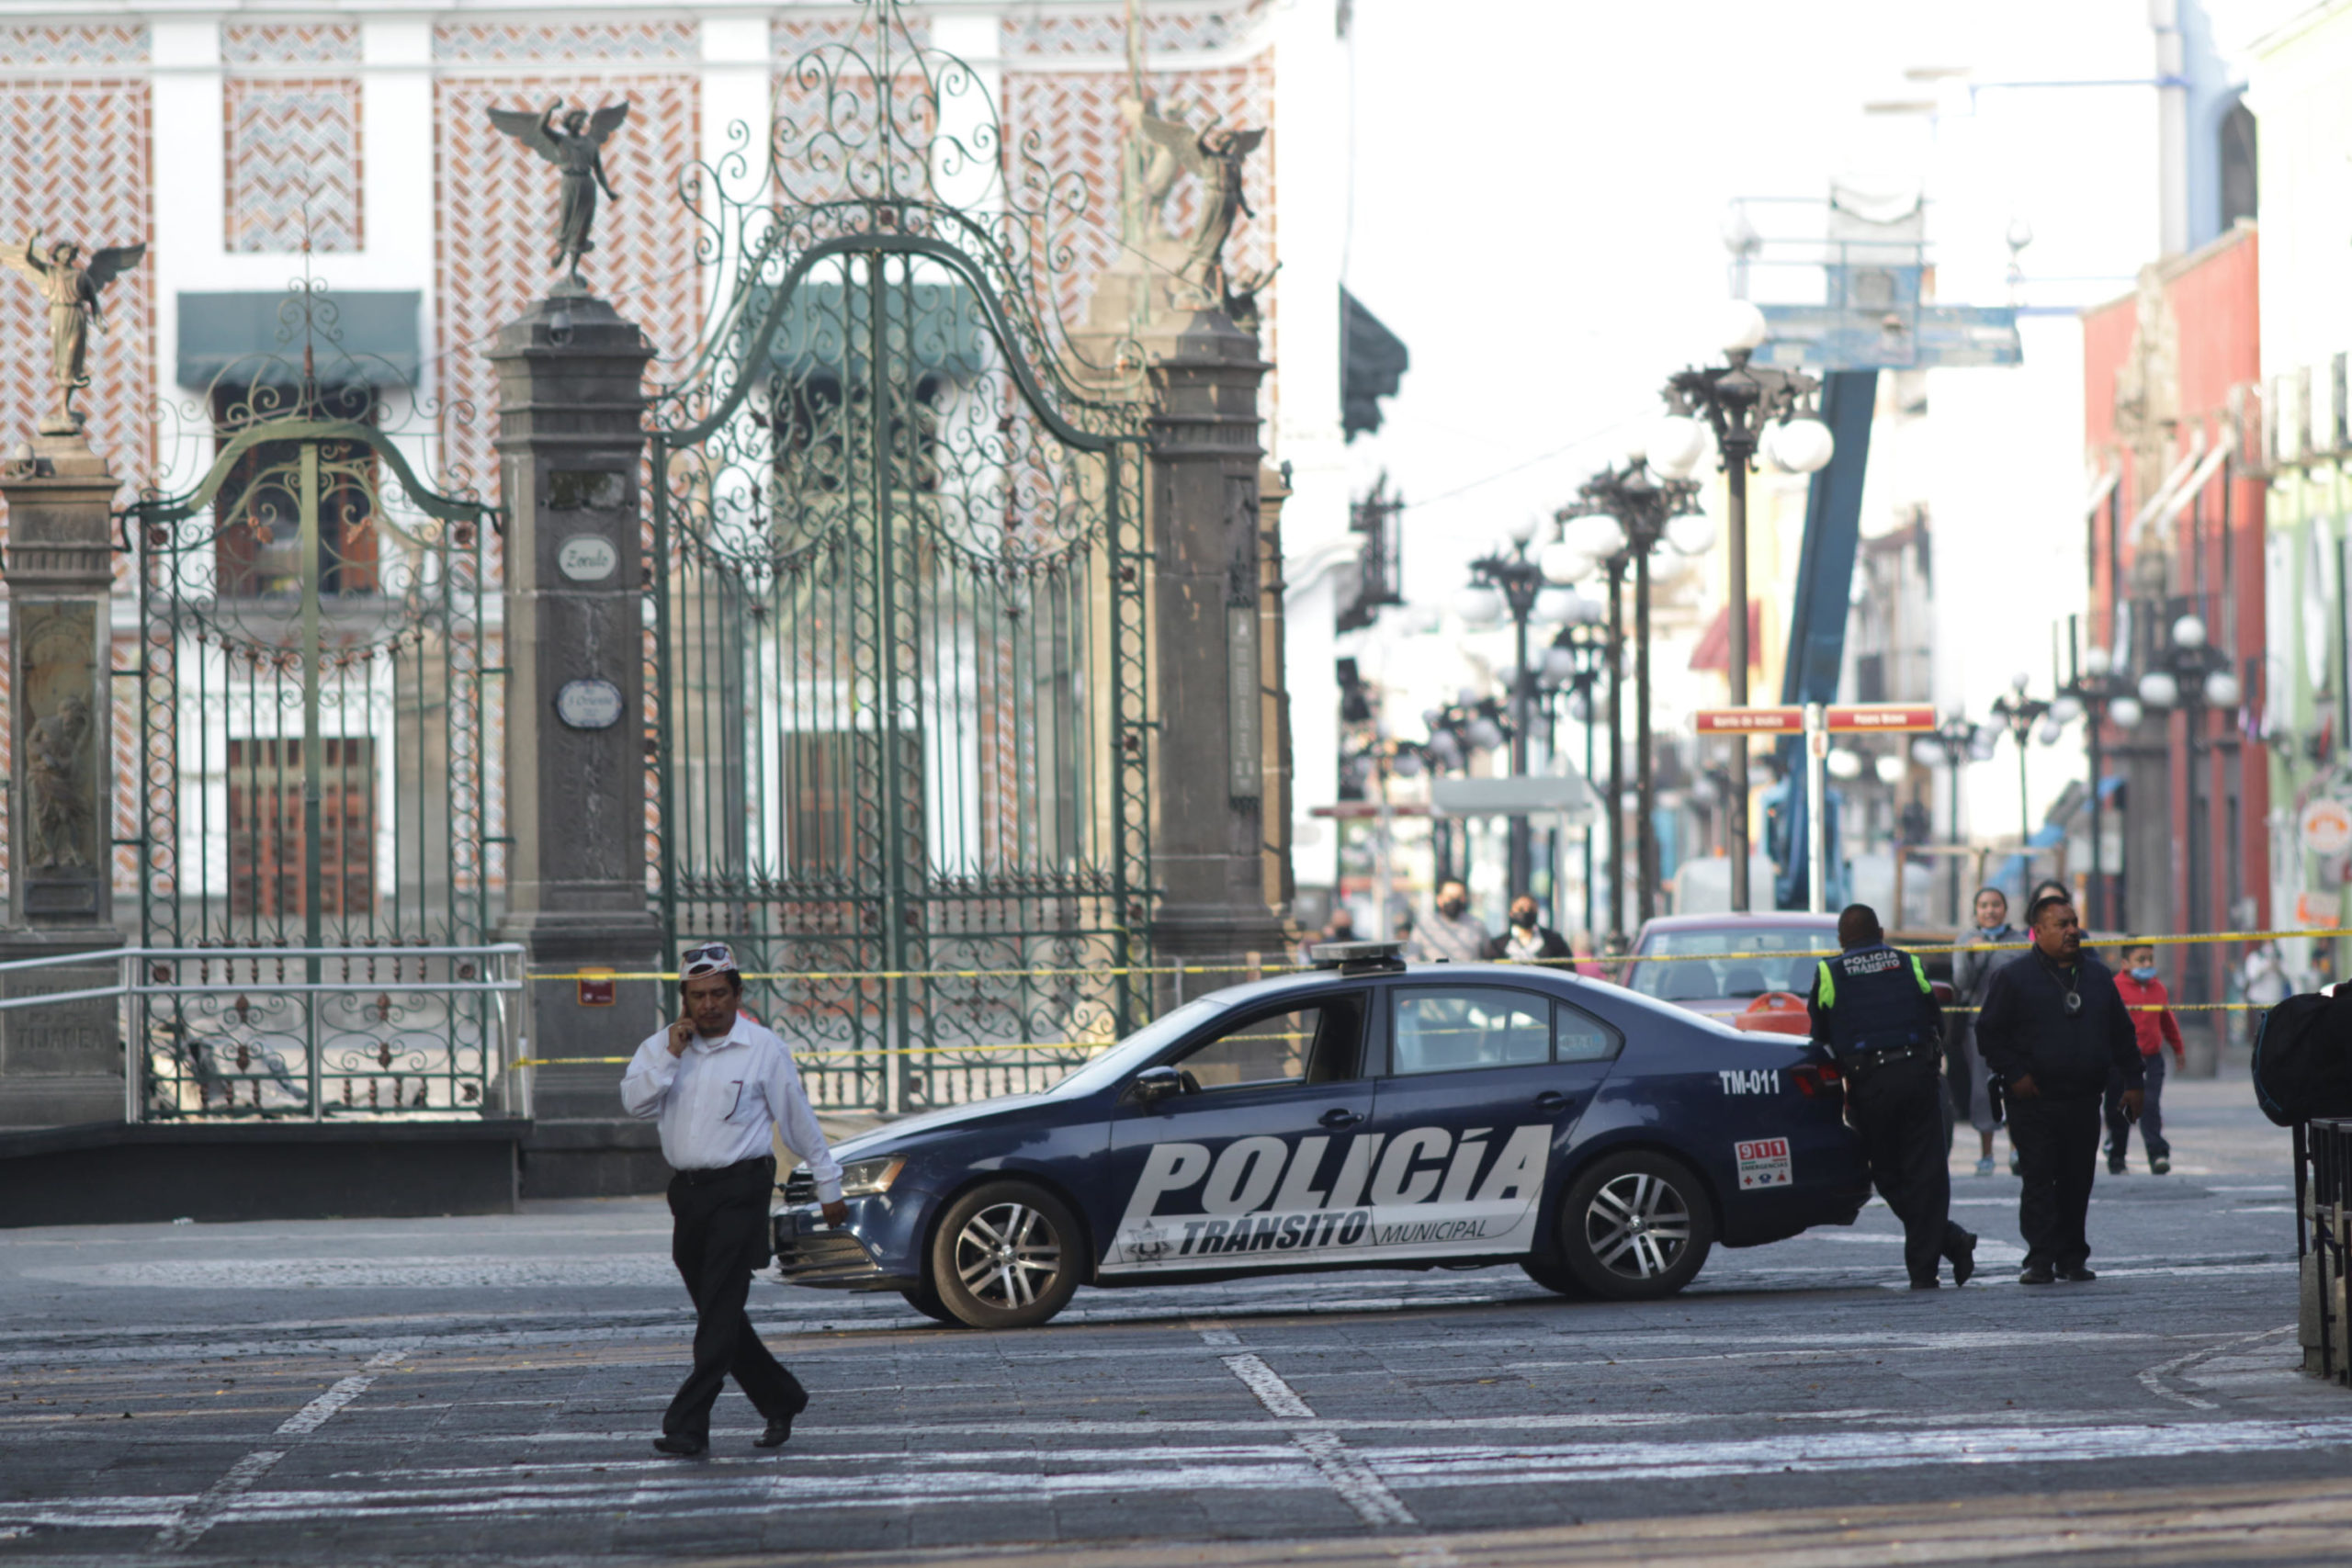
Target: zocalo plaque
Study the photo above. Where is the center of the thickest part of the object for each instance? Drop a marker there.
(586, 557)
(589, 705)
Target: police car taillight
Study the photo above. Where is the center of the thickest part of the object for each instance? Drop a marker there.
(1814, 1077)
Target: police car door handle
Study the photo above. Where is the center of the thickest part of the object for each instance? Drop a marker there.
(1338, 1116)
(1551, 1100)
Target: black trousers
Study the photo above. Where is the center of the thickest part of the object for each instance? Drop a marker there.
(721, 1236)
(2057, 1140)
(1902, 1115)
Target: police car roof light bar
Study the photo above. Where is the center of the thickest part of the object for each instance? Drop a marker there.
(1360, 957)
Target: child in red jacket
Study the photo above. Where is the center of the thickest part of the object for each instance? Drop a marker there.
(2140, 989)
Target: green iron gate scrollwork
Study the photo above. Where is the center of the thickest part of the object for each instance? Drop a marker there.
(897, 722)
(314, 723)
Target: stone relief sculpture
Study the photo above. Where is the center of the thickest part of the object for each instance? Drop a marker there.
(55, 745)
(74, 293)
(576, 146)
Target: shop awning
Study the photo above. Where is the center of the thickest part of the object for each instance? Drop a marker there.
(940, 327)
(1373, 361)
(367, 337)
(1713, 652)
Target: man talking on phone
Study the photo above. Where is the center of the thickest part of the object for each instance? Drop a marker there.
(721, 1085)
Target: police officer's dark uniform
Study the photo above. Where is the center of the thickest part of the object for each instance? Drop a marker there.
(2061, 1022)
(1872, 1006)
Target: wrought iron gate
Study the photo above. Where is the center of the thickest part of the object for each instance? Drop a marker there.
(896, 665)
(315, 730)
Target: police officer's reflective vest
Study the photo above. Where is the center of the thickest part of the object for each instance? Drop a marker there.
(1876, 999)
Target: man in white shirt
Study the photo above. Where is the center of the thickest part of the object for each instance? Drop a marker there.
(719, 1084)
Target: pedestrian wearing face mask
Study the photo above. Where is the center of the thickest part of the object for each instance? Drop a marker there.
(2155, 1029)
(1453, 935)
(1527, 941)
(1972, 976)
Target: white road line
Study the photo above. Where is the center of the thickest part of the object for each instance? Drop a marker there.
(202, 1514)
(2153, 1378)
(1349, 1474)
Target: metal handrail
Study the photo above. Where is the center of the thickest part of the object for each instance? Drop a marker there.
(133, 980)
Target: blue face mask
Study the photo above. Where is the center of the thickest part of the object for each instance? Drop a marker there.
(2145, 974)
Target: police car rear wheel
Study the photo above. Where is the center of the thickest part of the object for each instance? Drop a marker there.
(1636, 1227)
(926, 1301)
(1006, 1255)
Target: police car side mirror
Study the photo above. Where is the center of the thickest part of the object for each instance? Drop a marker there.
(1155, 1084)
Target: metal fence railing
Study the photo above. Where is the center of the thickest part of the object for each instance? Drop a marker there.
(2323, 1240)
(316, 1033)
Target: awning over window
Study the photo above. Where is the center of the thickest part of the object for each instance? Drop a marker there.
(939, 327)
(1373, 361)
(364, 337)
(1713, 652)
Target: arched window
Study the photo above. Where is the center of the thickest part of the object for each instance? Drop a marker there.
(2238, 172)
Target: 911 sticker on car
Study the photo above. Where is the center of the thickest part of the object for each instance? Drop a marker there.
(1764, 1162)
(1422, 1193)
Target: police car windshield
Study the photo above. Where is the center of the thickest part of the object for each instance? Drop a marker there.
(1123, 1057)
(1715, 965)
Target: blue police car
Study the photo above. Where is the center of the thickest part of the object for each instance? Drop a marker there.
(1368, 1114)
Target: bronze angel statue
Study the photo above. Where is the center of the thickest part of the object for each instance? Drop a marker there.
(575, 145)
(72, 293)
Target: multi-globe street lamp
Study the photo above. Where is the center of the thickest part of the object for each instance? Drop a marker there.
(1953, 742)
(1511, 582)
(2020, 713)
(1627, 511)
(1749, 407)
(2097, 692)
(1580, 654)
(2189, 674)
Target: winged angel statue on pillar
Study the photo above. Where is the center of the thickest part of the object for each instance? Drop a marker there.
(73, 292)
(574, 144)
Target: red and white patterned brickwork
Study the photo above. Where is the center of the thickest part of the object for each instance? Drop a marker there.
(289, 43)
(565, 43)
(293, 165)
(495, 204)
(76, 164)
(1104, 33)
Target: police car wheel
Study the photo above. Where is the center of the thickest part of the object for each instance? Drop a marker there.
(1006, 1255)
(1553, 1276)
(926, 1301)
(1636, 1227)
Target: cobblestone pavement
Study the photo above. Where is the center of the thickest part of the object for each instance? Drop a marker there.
(483, 1389)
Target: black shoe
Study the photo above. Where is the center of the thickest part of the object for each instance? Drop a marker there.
(2160, 1166)
(2039, 1274)
(1963, 1261)
(681, 1445)
(1926, 1284)
(2114, 1165)
(779, 1432)
(2078, 1275)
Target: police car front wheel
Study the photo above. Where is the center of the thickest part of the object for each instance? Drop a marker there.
(1636, 1227)
(1006, 1255)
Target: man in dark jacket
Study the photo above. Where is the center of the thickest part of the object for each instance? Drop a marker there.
(1873, 1007)
(2052, 1028)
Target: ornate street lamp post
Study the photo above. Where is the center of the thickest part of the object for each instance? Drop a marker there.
(1628, 512)
(2192, 674)
(1518, 580)
(1739, 401)
(2020, 714)
(2097, 694)
(1573, 666)
(1952, 743)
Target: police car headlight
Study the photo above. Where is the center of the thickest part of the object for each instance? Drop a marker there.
(870, 1178)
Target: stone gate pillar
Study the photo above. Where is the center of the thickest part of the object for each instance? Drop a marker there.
(571, 444)
(60, 1065)
(1208, 593)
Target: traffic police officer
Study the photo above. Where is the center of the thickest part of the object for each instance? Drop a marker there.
(720, 1084)
(1873, 1007)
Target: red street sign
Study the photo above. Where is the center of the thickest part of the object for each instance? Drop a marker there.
(1882, 717)
(1751, 721)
